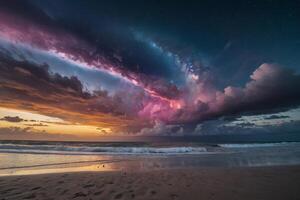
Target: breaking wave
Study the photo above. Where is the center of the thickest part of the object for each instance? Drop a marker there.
(254, 145)
(62, 149)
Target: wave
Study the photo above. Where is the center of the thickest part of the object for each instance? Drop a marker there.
(62, 149)
(253, 145)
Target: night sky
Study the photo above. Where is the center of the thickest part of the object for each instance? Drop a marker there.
(87, 68)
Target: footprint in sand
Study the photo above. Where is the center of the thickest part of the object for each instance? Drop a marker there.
(98, 193)
(112, 191)
(35, 188)
(88, 185)
(174, 196)
(79, 194)
(64, 192)
(119, 196)
(31, 196)
(8, 190)
(17, 179)
(153, 192)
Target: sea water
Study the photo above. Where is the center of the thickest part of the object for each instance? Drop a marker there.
(29, 157)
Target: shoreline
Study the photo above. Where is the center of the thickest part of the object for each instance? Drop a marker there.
(274, 182)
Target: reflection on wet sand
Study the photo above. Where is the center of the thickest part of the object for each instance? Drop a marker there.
(31, 171)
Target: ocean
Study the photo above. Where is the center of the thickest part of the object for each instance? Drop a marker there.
(36, 157)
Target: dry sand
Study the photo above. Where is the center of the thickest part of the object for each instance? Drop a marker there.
(187, 184)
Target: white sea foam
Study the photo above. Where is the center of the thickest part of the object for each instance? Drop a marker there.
(253, 145)
(63, 149)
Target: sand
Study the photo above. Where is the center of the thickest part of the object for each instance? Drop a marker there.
(202, 183)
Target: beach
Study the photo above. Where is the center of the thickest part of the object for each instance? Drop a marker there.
(149, 171)
(198, 183)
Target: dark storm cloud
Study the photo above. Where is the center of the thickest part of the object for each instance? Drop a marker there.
(277, 117)
(15, 119)
(22, 72)
(97, 36)
(36, 125)
(67, 44)
(14, 130)
(161, 129)
(272, 89)
(237, 36)
(35, 88)
(245, 124)
(220, 127)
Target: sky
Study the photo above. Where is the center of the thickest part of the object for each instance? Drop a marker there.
(74, 69)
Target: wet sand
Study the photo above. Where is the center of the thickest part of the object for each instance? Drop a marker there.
(187, 184)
